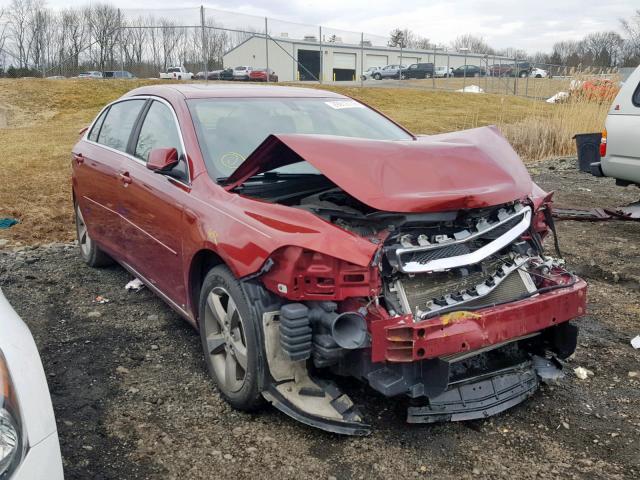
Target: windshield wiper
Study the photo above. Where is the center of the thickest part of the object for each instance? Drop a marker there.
(267, 177)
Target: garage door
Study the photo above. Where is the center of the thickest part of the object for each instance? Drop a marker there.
(375, 61)
(346, 61)
(409, 60)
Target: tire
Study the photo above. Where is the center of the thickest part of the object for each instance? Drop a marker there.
(232, 345)
(476, 74)
(523, 74)
(538, 76)
(377, 76)
(89, 251)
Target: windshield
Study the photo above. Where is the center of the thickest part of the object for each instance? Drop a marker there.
(229, 130)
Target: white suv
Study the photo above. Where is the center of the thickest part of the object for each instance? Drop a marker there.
(242, 72)
(620, 147)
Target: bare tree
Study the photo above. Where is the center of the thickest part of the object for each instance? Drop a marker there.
(19, 16)
(474, 43)
(631, 48)
(104, 22)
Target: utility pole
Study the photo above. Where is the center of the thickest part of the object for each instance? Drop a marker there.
(204, 45)
(266, 44)
(321, 73)
(361, 59)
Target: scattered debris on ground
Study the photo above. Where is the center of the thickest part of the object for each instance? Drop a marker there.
(134, 285)
(471, 89)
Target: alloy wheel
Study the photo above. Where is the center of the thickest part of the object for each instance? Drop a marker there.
(84, 240)
(226, 343)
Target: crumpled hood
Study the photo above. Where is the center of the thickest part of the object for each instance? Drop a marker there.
(460, 170)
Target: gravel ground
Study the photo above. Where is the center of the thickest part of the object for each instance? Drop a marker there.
(133, 399)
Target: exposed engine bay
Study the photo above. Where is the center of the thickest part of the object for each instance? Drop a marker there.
(456, 307)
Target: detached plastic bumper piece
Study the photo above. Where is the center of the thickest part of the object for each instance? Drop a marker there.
(479, 397)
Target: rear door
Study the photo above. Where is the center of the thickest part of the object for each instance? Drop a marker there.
(153, 205)
(97, 164)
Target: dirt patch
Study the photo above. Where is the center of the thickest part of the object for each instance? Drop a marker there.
(133, 399)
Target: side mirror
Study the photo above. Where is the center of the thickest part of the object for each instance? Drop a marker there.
(162, 159)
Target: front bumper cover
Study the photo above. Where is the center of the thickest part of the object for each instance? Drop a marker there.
(400, 339)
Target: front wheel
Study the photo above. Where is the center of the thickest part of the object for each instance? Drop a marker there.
(89, 251)
(377, 76)
(231, 340)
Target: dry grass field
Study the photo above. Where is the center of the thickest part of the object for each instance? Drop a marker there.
(40, 120)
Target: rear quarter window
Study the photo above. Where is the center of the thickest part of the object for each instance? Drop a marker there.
(636, 96)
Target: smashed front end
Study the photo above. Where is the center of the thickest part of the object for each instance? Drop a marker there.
(461, 310)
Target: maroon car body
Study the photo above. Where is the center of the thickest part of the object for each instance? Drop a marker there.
(171, 230)
(260, 75)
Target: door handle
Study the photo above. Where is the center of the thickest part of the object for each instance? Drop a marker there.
(79, 159)
(126, 179)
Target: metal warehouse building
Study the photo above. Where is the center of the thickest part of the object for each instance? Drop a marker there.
(310, 59)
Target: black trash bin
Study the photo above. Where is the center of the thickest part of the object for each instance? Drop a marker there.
(588, 146)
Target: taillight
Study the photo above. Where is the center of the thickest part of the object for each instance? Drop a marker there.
(603, 143)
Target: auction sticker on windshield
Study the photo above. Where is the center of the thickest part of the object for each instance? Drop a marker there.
(340, 104)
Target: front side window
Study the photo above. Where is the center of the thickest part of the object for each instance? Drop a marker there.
(158, 130)
(117, 126)
(229, 130)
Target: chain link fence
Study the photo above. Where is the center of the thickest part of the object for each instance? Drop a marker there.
(210, 45)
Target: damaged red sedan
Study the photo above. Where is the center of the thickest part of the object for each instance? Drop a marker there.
(307, 236)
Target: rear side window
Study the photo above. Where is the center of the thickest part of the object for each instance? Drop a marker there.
(117, 126)
(636, 96)
(158, 130)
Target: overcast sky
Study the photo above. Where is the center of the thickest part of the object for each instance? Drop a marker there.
(531, 25)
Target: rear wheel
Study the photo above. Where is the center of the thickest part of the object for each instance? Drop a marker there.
(230, 335)
(377, 76)
(89, 251)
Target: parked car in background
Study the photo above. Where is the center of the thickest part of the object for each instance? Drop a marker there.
(418, 70)
(443, 71)
(118, 74)
(434, 287)
(539, 73)
(260, 75)
(469, 71)
(90, 74)
(226, 74)
(620, 144)
(242, 72)
(29, 447)
(389, 71)
(522, 69)
(176, 73)
(368, 73)
(212, 75)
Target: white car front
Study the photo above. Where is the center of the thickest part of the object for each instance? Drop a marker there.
(538, 73)
(29, 447)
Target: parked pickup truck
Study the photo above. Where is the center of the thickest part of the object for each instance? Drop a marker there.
(176, 73)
